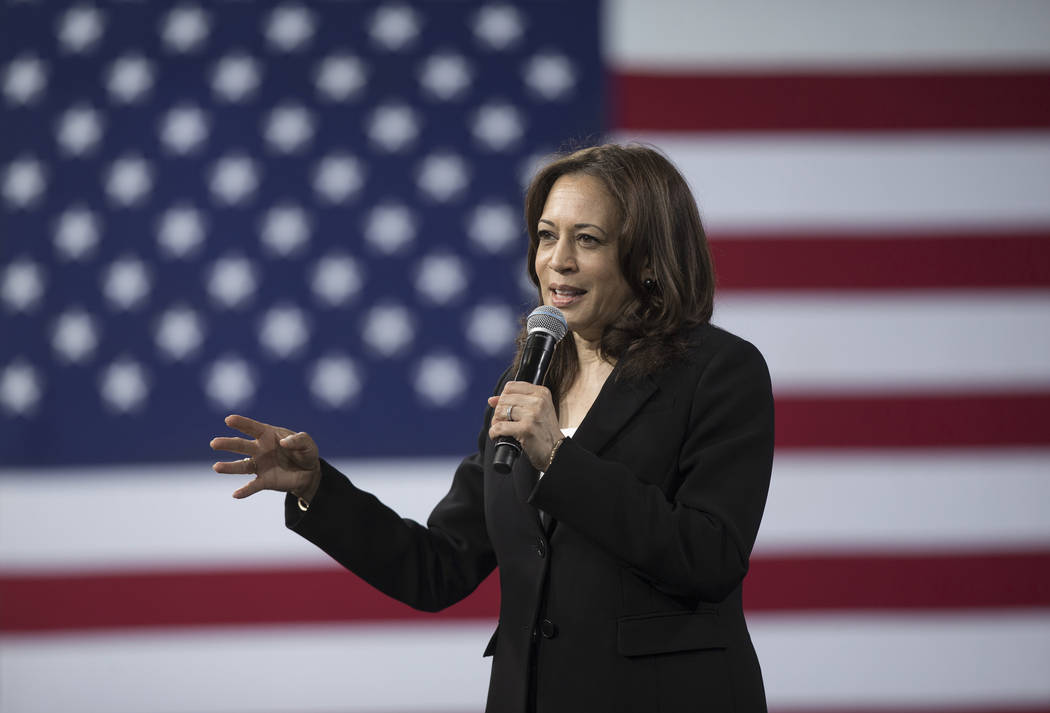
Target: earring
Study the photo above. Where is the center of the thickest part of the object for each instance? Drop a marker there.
(649, 284)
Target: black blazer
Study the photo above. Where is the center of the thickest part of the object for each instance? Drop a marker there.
(630, 599)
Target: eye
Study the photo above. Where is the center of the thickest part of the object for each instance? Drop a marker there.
(586, 239)
(546, 235)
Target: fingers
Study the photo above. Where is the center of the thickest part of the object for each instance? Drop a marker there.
(234, 445)
(248, 489)
(244, 466)
(247, 425)
(524, 387)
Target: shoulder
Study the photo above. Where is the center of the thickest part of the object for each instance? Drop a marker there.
(710, 345)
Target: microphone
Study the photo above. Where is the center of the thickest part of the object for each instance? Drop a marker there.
(547, 327)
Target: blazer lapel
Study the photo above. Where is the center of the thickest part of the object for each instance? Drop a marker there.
(617, 402)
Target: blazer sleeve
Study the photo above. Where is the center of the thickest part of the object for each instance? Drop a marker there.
(698, 542)
(428, 568)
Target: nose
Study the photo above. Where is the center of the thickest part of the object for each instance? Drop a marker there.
(563, 259)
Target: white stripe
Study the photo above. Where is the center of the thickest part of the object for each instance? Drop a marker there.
(900, 501)
(183, 517)
(773, 35)
(864, 182)
(966, 660)
(912, 341)
(395, 667)
(808, 661)
(125, 517)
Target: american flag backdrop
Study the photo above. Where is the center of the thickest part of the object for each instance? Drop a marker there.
(310, 213)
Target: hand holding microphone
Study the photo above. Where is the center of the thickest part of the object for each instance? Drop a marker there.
(546, 327)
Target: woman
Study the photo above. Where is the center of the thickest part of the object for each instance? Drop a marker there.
(622, 546)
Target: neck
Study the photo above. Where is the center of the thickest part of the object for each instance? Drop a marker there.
(589, 356)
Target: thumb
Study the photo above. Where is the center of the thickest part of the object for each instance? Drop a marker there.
(296, 441)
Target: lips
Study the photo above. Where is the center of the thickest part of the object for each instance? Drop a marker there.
(565, 295)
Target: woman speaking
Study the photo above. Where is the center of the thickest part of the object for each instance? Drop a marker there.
(623, 532)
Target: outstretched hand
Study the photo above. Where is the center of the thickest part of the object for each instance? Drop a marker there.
(280, 459)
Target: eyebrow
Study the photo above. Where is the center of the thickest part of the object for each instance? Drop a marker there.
(577, 225)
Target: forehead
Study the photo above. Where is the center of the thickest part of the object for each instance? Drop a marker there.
(581, 199)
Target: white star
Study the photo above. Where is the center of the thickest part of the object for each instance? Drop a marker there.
(443, 176)
(126, 282)
(22, 285)
(283, 331)
(394, 26)
(290, 27)
(445, 75)
(393, 126)
(229, 382)
(288, 128)
(498, 26)
(440, 278)
(388, 329)
(129, 180)
(440, 379)
(285, 230)
(124, 385)
(550, 75)
(25, 80)
(498, 126)
(79, 130)
(76, 233)
(80, 28)
(235, 77)
(21, 387)
(231, 280)
(340, 77)
(24, 182)
(531, 164)
(334, 380)
(337, 177)
(335, 279)
(390, 228)
(180, 231)
(234, 179)
(528, 290)
(492, 328)
(75, 335)
(494, 227)
(130, 78)
(179, 333)
(185, 28)
(184, 129)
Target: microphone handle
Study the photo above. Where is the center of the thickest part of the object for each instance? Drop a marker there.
(535, 360)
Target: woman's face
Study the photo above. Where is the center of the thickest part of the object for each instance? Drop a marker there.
(577, 259)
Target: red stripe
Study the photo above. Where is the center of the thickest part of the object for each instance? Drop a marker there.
(177, 599)
(939, 707)
(843, 262)
(830, 101)
(910, 421)
(893, 581)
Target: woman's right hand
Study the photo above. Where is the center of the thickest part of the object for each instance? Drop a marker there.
(280, 459)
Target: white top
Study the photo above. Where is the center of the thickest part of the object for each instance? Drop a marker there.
(568, 433)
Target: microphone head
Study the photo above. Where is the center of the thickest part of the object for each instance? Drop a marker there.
(548, 319)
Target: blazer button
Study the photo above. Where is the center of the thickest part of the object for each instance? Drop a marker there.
(541, 548)
(548, 629)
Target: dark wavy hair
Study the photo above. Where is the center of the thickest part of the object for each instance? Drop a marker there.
(661, 231)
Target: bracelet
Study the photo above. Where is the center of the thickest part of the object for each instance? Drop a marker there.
(554, 451)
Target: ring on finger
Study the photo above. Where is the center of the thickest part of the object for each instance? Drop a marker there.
(510, 410)
(252, 467)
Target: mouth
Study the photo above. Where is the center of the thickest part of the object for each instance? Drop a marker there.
(565, 295)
